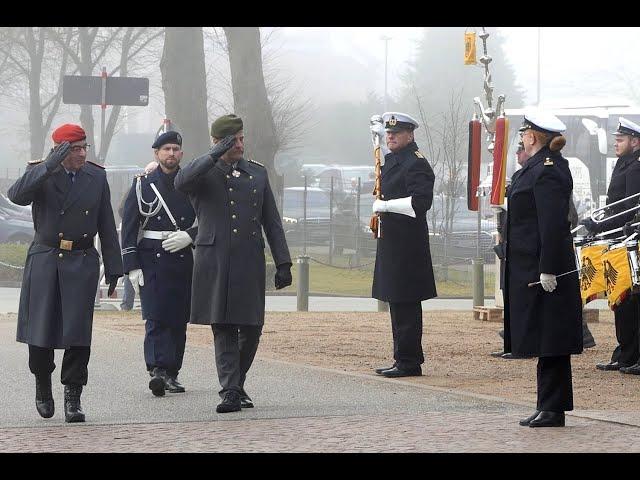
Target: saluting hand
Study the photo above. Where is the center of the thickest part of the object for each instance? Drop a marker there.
(57, 155)
(222, 147)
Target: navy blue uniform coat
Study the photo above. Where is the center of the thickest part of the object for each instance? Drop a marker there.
(59, 286)
(403, 270)
(539, 323)
(166, 294)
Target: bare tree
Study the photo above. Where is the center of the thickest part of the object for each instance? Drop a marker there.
(453, 140)
(30, 55)
(87, 48)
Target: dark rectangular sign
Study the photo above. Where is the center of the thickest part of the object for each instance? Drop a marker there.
(79, 90)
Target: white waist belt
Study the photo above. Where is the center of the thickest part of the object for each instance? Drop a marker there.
(155, 235)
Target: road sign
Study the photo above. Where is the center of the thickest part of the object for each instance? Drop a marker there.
(81, 90)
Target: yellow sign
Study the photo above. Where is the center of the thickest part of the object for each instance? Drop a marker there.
(592, 280)
(470, 48)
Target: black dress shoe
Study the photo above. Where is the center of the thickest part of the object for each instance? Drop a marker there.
(173, 386)
(526, 421)
(158, 383)
(72, 409)
(382, 369)
(508, 356)
(548, 419)
(633, 369)
(396, 372)
(608, 366)
(44, 397)
(245, 401)
(497, 354)
(230, 402)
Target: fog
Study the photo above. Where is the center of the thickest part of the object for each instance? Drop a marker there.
(321, 68)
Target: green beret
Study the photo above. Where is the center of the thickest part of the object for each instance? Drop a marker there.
(226, 125)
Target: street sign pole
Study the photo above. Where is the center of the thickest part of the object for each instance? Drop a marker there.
(103, 104)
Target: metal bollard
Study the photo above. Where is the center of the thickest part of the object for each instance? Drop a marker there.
(303, 283)
(478, 282)
(383, 306)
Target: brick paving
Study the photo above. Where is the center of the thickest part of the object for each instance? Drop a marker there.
(431, 432)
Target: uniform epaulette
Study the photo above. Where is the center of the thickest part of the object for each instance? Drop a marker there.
(257, 163)
(140, 175)
(35, 162)
(96, 164)
(419, 154)
(548, 161)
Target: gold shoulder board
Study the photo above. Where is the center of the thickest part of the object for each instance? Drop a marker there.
(419, 154)
(257, 163)
(35, 162)
(548, 161)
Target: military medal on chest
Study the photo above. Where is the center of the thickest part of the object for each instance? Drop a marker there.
(235, 173)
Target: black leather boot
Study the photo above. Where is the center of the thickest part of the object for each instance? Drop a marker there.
(230, 402)
(72, 409)
(173, 385)
(548, 419)
(44, 397)
(158, 382)
(526, 421)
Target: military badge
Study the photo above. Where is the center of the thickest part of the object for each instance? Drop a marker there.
(235, 173)
(548, 161)
(392, 121)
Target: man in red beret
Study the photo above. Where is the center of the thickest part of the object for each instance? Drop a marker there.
(71, 204)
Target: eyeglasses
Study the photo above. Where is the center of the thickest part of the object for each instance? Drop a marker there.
(77, 148)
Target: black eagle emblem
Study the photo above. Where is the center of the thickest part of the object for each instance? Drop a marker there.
(587, 272)
(610, 276)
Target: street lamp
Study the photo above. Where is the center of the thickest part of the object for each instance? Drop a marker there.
(385, 39)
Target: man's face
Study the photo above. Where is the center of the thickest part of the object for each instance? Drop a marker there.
(398, 140)
(235, 153)
(622, 145)
(77, 156)
(169, 156)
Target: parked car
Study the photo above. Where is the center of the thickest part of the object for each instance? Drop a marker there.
(10, 209)
(15, 230)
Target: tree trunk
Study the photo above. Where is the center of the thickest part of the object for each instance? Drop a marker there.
(185, 87)
(250, 98)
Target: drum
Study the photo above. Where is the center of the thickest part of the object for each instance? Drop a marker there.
(634, 264)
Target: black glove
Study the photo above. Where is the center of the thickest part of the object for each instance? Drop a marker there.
(499, 250)
(57, 155)
(591, 226)
(113, 281)
(283, 276)
(628, 229)
(222, 146)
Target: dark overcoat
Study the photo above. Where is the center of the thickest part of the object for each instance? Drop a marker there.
(59, 285)
(539, 323)
(403, 270)
(166, 294)
(232, 207)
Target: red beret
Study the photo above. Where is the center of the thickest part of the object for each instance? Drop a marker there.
(69, 133)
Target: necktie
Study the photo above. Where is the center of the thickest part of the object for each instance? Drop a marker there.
(71, 176)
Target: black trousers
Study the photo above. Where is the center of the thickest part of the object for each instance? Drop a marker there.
(164, 346)
(74, 363)
(235, 349)
(406, 326)
(555, 389)
(626, 318)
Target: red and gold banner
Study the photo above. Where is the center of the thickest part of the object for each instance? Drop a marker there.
(500, 161)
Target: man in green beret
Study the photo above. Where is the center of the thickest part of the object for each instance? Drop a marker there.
(234, 203)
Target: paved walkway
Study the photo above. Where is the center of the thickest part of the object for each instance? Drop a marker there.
(298, 409)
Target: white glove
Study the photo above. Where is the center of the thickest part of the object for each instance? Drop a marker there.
(176, 241)
(137, 279)
(548, 282)
(379, 206)
(378, 129)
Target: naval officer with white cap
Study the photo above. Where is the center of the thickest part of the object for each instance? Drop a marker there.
(403, 274)
(625, 181)
(545, 320)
